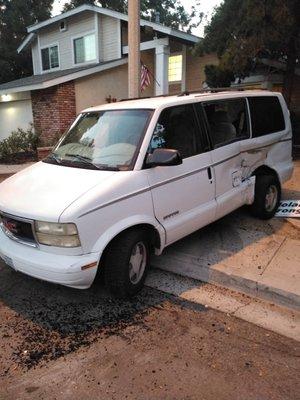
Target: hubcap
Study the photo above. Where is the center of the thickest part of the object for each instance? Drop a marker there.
(271, 198)
(137, 262)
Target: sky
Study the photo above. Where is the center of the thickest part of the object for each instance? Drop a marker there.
(206, 6)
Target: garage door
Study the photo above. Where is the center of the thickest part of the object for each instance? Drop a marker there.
(13, 115)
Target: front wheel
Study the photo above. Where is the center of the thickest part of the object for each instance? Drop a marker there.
(267, 196)
(127, 263)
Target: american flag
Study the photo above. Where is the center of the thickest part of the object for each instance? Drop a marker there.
(145, 77)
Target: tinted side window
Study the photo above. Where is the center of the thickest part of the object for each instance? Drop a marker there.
(176, 129)
(266, 115)
(227, 120)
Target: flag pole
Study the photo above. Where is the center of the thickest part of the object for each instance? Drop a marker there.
(134, 65)
(151, 73)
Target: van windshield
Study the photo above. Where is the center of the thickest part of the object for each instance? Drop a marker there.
(103, 139)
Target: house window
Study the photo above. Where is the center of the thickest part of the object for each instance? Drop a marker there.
(175, 68)
(50, 58)
(85, 49)
(63, 26)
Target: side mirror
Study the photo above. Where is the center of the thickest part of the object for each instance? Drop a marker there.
(163, 158)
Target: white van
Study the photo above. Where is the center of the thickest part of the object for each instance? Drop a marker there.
(133, 177)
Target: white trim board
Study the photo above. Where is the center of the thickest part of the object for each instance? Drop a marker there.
(150, 44)
(29, 38)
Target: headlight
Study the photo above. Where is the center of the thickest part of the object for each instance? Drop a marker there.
(59, 235)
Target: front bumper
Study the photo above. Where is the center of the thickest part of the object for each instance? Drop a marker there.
(61, 269)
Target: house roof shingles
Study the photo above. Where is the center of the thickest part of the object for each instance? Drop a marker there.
(36, 81)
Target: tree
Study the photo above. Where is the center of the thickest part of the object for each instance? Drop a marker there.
(15, 16)
(117, 5)
(242, 32)
(172, 13)
(218, 77)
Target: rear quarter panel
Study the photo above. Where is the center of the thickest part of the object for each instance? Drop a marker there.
(273, 150)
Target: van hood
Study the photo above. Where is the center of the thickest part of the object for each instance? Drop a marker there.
(43, 191)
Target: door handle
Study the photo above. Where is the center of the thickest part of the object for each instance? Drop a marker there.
(209, 174)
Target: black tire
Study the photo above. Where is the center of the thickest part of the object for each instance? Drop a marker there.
(117, 263)
(263, 184)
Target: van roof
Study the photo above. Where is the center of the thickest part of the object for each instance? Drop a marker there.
(154, 103)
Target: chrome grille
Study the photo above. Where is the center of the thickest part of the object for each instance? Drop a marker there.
(18, 229)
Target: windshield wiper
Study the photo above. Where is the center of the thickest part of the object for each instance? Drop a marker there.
(88, 161)
(54, 157)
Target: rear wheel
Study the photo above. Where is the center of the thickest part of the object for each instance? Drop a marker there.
(127, 263)
(267, 196)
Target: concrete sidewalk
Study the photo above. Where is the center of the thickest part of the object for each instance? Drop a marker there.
(7, 170)
(259, 258)
(265, 267)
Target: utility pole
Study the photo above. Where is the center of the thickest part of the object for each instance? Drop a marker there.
(134, 59)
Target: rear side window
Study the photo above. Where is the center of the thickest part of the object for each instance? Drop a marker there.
(227, 120)
(176, 129)
(266, 115)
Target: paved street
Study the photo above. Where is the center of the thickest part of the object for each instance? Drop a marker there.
(59, 343)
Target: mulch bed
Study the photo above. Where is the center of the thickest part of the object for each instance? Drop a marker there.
(20, 158)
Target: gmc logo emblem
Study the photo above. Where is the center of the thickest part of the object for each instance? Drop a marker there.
(10, 226)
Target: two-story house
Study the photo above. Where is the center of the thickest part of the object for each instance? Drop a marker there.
(80, 59)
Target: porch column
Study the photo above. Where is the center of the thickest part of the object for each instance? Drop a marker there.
(161, 69)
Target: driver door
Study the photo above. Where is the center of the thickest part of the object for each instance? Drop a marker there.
(183, 195)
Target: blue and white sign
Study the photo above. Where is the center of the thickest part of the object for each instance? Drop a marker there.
(288, 209)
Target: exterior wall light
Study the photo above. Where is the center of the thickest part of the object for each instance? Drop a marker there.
(6, 97)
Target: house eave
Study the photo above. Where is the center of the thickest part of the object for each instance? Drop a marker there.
(29, 38)
(65, 78)
(115, 14)
(278, 64)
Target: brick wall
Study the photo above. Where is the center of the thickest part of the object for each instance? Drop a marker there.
(53, 109)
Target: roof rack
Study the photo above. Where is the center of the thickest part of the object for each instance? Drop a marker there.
(136, 98)
(211, 90)
(186, 93)
(189, 92)
(148, 97)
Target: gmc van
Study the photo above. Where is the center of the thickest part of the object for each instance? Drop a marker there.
(133, 177)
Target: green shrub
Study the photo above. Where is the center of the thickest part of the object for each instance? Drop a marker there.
(20, 141)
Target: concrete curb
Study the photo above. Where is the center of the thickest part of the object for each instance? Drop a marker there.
(269, 316)
(189, 267)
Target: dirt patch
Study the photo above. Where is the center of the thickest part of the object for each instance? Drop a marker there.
(52, 322)
(156, 347)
